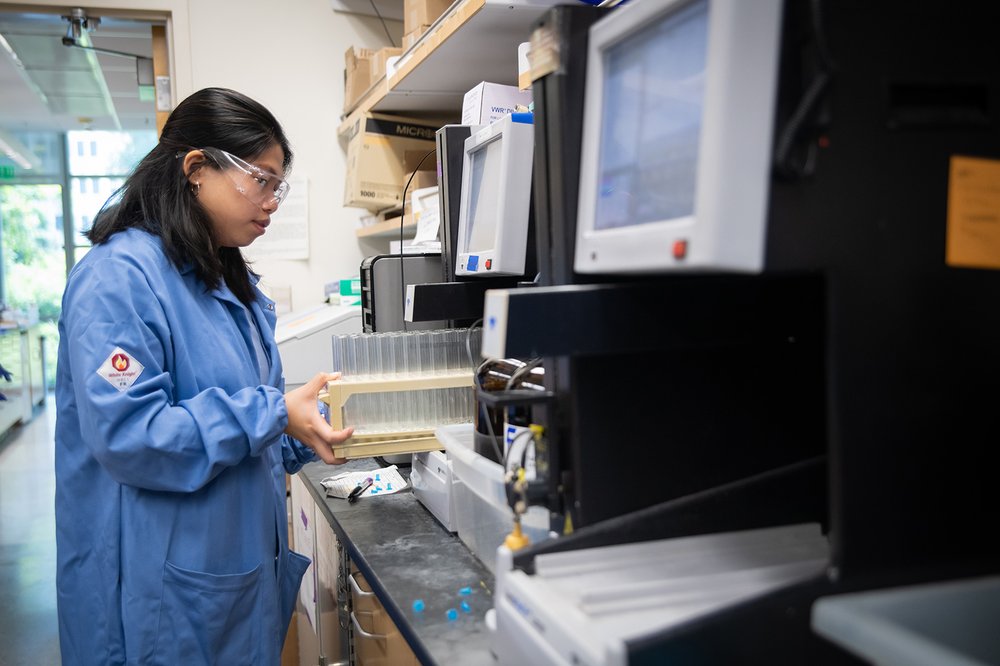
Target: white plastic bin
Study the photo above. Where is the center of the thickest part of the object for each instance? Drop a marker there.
(433, 484)
(482, 517)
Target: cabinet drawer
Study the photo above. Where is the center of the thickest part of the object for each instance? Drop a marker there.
(377, 641)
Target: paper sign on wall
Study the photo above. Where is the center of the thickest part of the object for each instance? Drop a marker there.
(288, 235)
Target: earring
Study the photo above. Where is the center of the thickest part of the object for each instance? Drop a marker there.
(195, 188)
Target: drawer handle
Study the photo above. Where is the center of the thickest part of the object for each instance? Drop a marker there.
(365, 634)
(357, 588)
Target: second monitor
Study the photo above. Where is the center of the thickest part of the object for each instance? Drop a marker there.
(496, 199)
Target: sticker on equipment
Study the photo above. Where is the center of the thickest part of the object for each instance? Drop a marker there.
(120, 369)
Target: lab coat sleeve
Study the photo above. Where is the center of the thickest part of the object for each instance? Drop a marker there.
(295, 454)
(140, 435)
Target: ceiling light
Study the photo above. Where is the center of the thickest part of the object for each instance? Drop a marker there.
(10, 51)
(18, 152)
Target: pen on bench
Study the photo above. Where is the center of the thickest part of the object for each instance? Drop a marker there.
(358, 489)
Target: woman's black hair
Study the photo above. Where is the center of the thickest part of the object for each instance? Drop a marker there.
(158, 198)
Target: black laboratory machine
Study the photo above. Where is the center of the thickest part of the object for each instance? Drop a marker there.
(767, 297)
(487, 228)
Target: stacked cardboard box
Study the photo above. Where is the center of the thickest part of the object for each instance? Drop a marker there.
(380, 59)
(381, 150)
(357, 75)
(418, 15)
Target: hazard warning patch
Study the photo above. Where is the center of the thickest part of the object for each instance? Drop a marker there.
(121, 369)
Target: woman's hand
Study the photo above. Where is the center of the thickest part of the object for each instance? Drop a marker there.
(307, 425)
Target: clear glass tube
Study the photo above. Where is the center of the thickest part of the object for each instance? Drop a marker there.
(338, 355)
(387, 354)
(351, 356)
(407, 354)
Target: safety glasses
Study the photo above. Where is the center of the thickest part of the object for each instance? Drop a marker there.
(258, 186)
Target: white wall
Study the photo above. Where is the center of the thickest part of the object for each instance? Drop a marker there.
(290, 57)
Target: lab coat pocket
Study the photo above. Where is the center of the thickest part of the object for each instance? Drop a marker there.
(209, 619)
(295, 568)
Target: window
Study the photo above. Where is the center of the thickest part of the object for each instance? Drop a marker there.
(112, 155)
(34, 262)
(33, 251)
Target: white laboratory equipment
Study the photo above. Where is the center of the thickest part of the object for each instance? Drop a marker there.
(589, 606)
(305, 340)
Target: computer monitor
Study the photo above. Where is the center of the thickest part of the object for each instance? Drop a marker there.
(496, 199)
(677, 133)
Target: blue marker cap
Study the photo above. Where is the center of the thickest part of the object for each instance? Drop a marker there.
(452, 614)
(418, 606)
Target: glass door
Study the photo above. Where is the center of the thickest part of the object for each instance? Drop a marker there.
(34, 261)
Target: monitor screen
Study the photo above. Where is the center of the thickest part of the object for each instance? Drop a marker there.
(676, 147)
(651, 121)
(484, 193)
(495, 210)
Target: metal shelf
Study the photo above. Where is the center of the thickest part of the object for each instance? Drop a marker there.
(475, 40)
(388, 229)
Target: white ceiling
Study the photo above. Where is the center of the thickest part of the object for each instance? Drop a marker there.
(76, 97)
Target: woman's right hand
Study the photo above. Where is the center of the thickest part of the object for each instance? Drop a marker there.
(307, 425)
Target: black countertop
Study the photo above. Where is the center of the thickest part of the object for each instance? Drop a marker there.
(406, 555)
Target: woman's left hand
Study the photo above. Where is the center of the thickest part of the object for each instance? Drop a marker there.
(307, 425)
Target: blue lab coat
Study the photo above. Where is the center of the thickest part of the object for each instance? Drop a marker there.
(171, 525)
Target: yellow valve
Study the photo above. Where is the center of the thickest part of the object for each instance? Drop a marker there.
(517, 540)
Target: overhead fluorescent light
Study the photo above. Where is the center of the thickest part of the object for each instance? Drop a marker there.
(18, 152)
(10, 51)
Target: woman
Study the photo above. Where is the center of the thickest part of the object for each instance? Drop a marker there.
(173, 433)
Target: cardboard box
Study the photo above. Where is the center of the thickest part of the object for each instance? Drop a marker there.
(524, 65)
(376, 154)
(357, 75)
(489, 102)
(410, 38)
(379, 61)
(421, 179)
(418, 13)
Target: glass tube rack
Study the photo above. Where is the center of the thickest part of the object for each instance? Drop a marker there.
(396, 388)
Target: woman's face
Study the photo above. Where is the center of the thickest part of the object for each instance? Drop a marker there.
(236, 220)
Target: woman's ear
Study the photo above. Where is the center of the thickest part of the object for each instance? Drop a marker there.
(193, 160)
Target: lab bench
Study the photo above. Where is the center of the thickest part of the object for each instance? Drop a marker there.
(407, 557)
(22, 355)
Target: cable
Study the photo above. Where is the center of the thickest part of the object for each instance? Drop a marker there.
(402, 218)
(489, 421)
(468, 342)
(384, 26)
(787, 137)
(507, 456)
(479, 387)
(527, 367)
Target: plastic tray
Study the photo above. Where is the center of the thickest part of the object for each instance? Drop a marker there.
(482, 517)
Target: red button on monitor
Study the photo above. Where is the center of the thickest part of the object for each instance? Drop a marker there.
(680, 249)
(489, 263)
